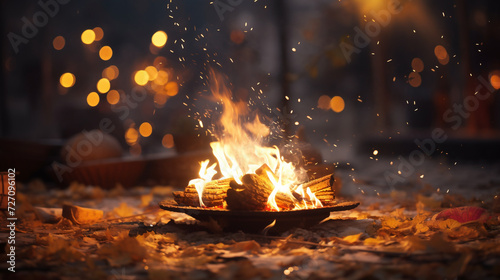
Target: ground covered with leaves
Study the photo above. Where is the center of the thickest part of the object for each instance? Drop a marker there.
(416, 230)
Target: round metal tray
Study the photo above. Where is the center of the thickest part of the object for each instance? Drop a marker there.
(256, 221)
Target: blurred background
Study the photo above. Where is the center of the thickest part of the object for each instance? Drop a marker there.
(356, 78)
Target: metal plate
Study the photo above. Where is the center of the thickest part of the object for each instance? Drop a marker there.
(256, 221)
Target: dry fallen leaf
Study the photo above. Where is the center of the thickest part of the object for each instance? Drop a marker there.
(391, 223)
(250, 246)
(122, 211)
(373, 241)
(57, 248)
(436, 244)
(124, 250)
(80, 215)
(351, 239)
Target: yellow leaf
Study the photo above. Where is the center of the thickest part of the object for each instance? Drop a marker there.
(373, 241)
(468, 231)
(250, 245)
(448, 224)
(352, 238)
(391, 223)
(398, 213)
(123, 210)
(421, 228)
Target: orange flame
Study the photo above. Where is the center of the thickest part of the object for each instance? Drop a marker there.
(206, 175)
(240, 150)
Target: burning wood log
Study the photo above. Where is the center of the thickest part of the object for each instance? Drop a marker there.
(192, 199)
(254, 193)
(214, 194)
(212, 187)
(323, 188)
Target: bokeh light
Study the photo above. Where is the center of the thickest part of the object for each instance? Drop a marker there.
(88, 36)
(162, 78)
(141, 77)
(93, 99)
(414, 79)
(445, 60)
(160, 99)
(440, 52)
(171, 88)
(67, 80)
(495, 79)
(417, 64)
(113, 97)
(159, 39)
(103, 85)
(159, 61)
(105, 53)
(168, 141)
(324, 102)
(237, 36)
(135, 150)
(131, 136)
(99, 33)
(59, 43)
(110, 72)
(337, 104)
(145, 129)
(152, 72)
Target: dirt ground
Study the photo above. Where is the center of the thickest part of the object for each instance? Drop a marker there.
(395, 233)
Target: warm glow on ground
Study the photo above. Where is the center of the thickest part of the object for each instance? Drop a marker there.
(67, 80)
(103, 85)
(105, 53)
(159, 39)
(88, 36)
(141, 77)
(59, 43)
(337, 104)
(93, 99)
(145, 129)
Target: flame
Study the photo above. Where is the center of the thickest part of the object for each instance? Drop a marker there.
(240, 150)
(309, 200)
(206, 175)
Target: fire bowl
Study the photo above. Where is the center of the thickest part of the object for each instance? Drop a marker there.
(256, 221)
